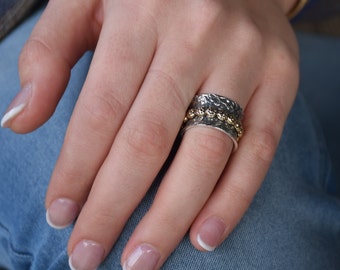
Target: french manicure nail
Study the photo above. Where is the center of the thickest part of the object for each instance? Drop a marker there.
(86, 255)
(17, 106)
(211, 233)
(61, 213)
(144, 257)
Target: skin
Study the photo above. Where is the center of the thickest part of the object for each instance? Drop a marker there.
(151, 57)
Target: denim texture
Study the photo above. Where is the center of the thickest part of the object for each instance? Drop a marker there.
(293, 222)
(320, 84)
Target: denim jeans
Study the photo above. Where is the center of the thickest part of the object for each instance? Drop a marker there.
(320, 84)
(293, 222)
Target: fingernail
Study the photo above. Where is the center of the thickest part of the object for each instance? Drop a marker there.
(211, 233)
(144, 257)
(17, 106)
(87, 255)
(61, 213)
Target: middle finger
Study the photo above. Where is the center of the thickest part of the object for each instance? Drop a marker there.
(139, 149)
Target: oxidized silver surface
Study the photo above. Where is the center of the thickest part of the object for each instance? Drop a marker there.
(215, 111)
(217, 103)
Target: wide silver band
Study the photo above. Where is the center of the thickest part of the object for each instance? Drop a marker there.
(219, 112)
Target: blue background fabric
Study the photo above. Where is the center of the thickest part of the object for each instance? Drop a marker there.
(320, 83)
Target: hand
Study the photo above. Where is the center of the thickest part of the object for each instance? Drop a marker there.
(151, 58)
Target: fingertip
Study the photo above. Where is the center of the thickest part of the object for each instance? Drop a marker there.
(87, 254)
(10, 115)
(44, 78)
(16, 107)
(209, 234)
(144, 256)
(61, 213)
(203, 244)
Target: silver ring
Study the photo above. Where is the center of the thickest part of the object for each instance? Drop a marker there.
(215, 111)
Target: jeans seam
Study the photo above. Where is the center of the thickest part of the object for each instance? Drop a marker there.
(15, 251)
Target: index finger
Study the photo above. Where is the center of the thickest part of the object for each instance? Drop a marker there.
(116, 73)
(46, 60)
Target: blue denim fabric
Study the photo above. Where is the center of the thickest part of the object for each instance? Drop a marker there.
(320, 84)
(293, 222)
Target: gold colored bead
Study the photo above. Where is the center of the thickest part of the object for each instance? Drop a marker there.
(210, 113)
(238, 127)
(230, 120)
(221, 116)
(191, 114)
(200, 112)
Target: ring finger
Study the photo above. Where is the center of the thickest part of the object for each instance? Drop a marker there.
(186, 187)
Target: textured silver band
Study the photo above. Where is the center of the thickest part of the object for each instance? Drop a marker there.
(219, 112)
(217, 103)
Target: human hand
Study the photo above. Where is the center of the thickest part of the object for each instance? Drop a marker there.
(150, 59)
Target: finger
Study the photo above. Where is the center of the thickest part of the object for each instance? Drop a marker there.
(264, 120)
(194, 172)
(183, 192)
(139, 150)
(122, 56)
(60, 37)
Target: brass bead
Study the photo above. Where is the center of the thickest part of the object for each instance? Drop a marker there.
(200, 112)
(221, 116)
(191, 114)
(210, 113)
(230, 120)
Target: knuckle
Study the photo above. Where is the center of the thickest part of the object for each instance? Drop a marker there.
(39, 47)
(102, 109)
(290, 68)
(148, 138)
(208, 14)
(211, 6)
(169, 87)
(285, 59)
(263, 145)
(248, 35)
(207, 17)
(33, 50)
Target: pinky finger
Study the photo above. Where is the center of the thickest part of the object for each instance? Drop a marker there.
(264, 121)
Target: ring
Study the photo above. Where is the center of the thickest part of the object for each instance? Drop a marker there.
(219, 112)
